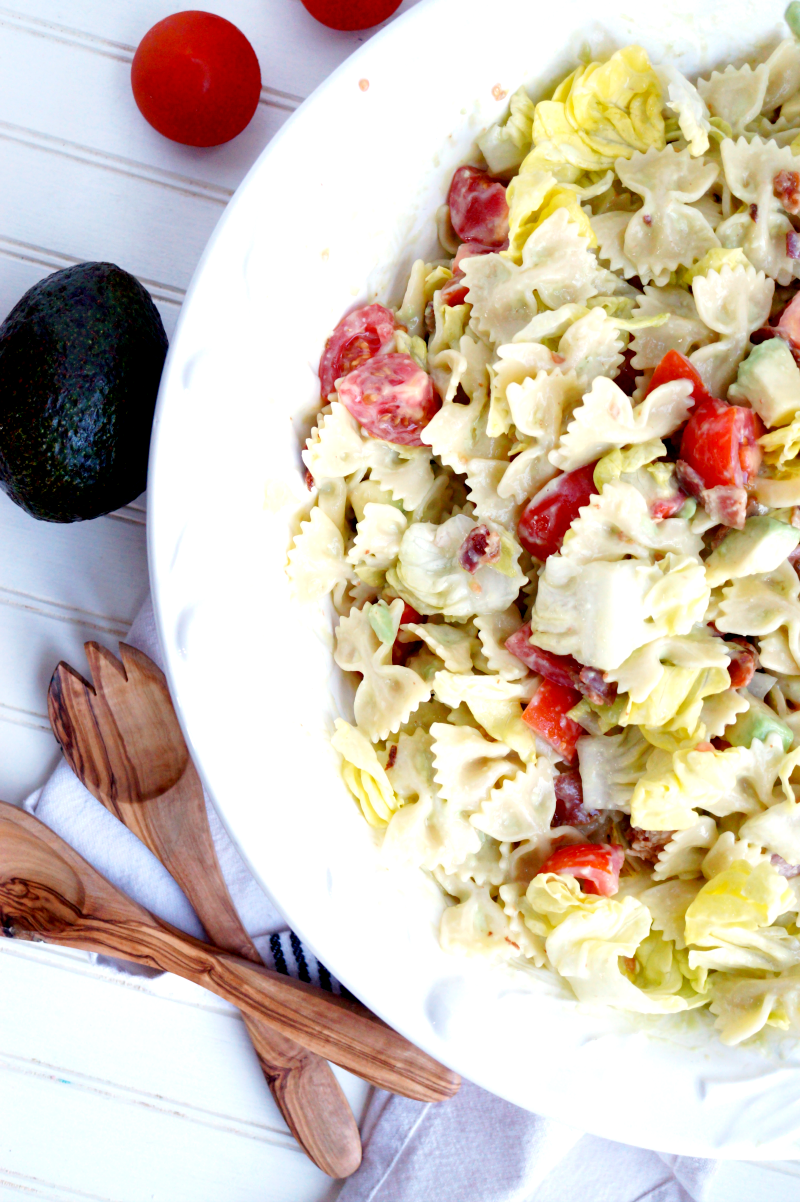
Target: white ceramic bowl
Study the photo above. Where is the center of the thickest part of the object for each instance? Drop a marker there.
(333, 214)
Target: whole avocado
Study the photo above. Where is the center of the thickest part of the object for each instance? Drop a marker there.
(80, 362)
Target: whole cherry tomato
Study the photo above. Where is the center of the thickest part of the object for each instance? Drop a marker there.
(351, 14)
(196, 79)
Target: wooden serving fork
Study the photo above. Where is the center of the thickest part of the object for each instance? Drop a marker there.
(123, 741)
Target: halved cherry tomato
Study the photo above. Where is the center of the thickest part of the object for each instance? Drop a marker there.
(719, 443)
(478, 208)
(548, 516)
(675, 366)
(546, 714)
(358, 337)
(597, 864)
(196, 79)
(351, 14)
(455, 291)
(392, 397)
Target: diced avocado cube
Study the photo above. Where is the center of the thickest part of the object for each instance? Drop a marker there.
(761, 546)
(757, 722)
(769, 379)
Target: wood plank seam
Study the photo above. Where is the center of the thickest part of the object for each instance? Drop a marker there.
(127, 1095)
(61, 612)
(121, 51)
(130, 168)
(55, 260)
(34, 1187)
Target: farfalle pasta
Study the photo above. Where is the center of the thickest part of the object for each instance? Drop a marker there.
(556, 508)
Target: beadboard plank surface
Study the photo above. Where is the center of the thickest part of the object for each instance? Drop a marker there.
(116, 1088)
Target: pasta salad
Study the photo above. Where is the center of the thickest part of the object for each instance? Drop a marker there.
(556, 507)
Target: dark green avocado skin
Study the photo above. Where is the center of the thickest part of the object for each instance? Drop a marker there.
(80, 361)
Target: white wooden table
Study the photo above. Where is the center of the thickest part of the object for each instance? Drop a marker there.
(116, 1087)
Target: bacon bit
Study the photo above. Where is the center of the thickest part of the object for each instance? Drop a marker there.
(690, 481)
(755, 510)
(744, 662)
(783, 867)
(570, 810)
(430, 318)
(647, 845)
(481, 547)
(630, 963)
(511, 941)
(786, 189)
(561, 669)
(647, 219)
(726, 505)
(392, 756)
(793, 245)
(754, 212)
(309, 479)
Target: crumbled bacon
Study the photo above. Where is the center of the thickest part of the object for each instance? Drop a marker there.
(755, 509)
(646, 845)
(309, 479)
(570, 810)
(725, 504)
(754, 212)
(690, 481)
(561, 669)
(392, 756)
(647, 219)
(786, 189)
(481, 547)
(785, 869)
(793, 245)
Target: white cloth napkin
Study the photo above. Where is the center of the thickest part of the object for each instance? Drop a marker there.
(474, 1148)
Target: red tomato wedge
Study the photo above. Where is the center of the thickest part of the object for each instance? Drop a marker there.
(196, 79)
(548, 516)
(546, 714)
(675, 366)
(478, 208)
(597, 864)
(358, 337)
(392, 397)
(719, 443)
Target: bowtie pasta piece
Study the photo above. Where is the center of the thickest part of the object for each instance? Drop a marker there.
(616, 524)
(607, 419)
(467, 766)
(521, 807)
(610, 767)
(685, 852)
(454, 645)
(378, 537)
(761, 228)
(744, 1005)
(495, 705)
(316, 561)
(735, 95)
(766, 605)
(682, 332)
(733, 302)
(388, 693)
(557, 266)
(493, 630)
(666, 232)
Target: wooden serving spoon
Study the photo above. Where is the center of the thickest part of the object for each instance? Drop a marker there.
(49, 893)
(123, 741)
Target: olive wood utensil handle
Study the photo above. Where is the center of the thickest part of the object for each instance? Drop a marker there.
(48, 891)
